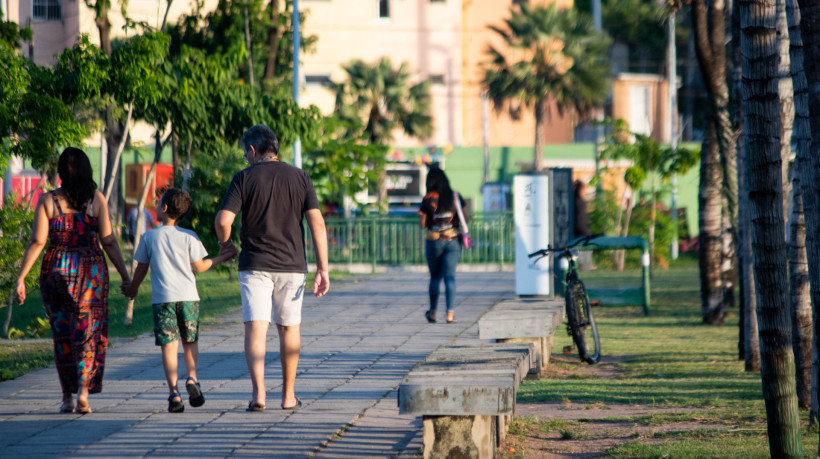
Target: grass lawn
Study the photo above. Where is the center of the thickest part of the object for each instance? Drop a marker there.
(218, 295)
(666, 360)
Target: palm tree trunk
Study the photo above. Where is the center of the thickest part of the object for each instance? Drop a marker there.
(805, 59)
(708, 27)
(709, 214)
(798, 265)
(800, 298)
(540, 107)
(760, 55)
(748, 343)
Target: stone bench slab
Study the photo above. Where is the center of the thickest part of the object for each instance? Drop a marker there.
(519, 323)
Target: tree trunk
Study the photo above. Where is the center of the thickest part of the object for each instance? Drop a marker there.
(709, 214)
(798, 265)
(748, 343)
(540, 106)
(10, 307)
(800, 299)
(146, 187)
(708, 26)
(652, 219)
(273, 42)
(805, 58)
(760, 56)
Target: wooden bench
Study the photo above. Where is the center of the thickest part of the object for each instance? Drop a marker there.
(524, 320)
(466, 396)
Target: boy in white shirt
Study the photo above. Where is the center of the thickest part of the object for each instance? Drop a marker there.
(174, 254)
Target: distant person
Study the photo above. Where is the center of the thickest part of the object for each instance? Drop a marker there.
(174, 254)
(439, 217)
(74, 220)
(582, 224)
(148, 223)
(273, 197)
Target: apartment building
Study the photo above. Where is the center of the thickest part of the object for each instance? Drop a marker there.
(442, 40)
(58, 23)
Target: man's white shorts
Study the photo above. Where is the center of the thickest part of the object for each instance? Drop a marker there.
(265, 292)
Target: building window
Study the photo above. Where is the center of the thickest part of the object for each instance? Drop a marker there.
(437, 78)
(318, 80)
(384, 9)
(438, 1)
(47, 10)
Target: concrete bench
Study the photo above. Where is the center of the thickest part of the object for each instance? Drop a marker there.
(466, 396)
(524, 320)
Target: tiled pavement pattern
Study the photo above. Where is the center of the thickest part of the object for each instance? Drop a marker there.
(358, 342)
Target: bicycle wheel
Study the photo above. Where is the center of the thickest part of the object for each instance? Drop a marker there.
(581, 323)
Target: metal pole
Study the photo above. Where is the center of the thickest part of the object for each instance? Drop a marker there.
(485, 127)
(297, 145)
(599, 115)
(596, 14)
(673, 131)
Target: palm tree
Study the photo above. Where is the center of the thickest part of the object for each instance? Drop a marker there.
(761, 128)
(380, 99)
(552, 55)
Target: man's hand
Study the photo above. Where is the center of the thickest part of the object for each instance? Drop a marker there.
(321, 283)
(227, 249)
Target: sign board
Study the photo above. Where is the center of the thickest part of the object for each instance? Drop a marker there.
(532, 194)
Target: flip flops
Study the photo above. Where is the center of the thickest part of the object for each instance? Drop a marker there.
(173, 406)
(196, 399)
(82, 408)
(296, 406)
(253, 406)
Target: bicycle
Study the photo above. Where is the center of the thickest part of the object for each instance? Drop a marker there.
(581, 324)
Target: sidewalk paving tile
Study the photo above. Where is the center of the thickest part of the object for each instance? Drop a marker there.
(358, 343)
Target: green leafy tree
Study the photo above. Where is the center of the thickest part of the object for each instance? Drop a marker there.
(341, 167)
(377, 99)
(550, 54)
(16, 219)
(650, 160)
(222, 31)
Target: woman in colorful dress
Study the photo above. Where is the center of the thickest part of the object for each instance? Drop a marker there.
(74, 276)
(439, 216)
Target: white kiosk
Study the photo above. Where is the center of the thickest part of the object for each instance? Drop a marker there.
(532, 196)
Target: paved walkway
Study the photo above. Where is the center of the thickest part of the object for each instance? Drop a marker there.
(358, 342)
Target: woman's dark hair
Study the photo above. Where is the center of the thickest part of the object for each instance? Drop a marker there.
(76, 176)
(437, 181)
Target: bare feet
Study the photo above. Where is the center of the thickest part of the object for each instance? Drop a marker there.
(83, 407)
(68, 404)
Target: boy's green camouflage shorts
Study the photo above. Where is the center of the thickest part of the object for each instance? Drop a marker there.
(174, 319)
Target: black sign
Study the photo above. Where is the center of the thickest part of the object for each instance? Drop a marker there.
(404, 183)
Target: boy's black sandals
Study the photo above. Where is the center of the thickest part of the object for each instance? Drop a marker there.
(196, 399)
(174, 406)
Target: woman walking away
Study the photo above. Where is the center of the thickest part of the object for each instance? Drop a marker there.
(74, 276)
(439, 216)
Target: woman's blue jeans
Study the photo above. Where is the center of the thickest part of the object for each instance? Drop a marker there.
(442, 258)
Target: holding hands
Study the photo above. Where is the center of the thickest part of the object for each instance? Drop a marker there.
(227, 250)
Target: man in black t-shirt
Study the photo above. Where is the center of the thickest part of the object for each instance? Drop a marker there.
(273, 197)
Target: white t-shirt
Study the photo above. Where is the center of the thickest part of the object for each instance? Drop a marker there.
(170, 250)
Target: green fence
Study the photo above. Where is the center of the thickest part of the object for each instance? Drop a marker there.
(398, 240)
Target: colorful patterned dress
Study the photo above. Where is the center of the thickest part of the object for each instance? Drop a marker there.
(74, 286)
